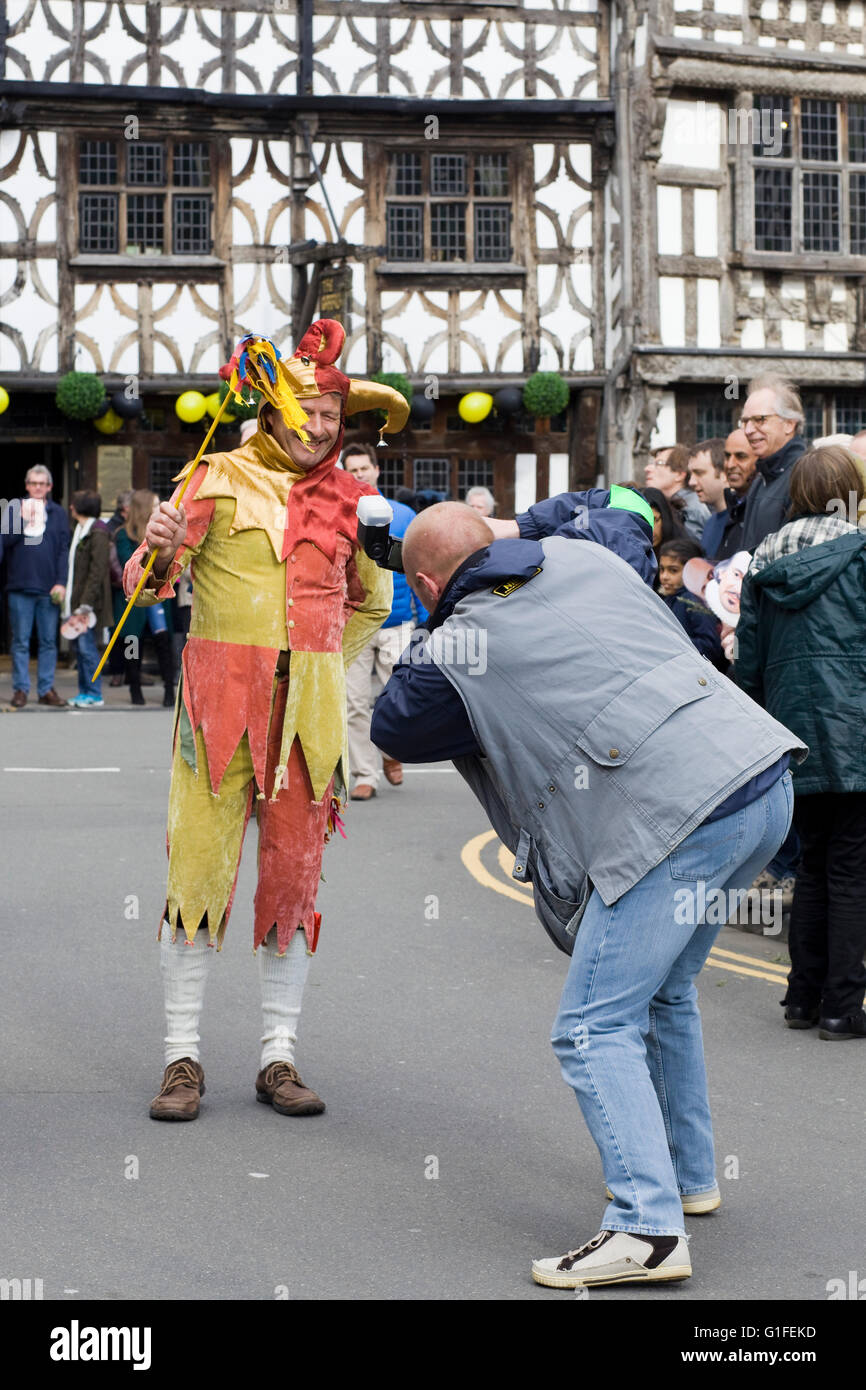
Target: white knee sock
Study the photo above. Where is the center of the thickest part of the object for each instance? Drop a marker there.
(184, 974)
(282, 979)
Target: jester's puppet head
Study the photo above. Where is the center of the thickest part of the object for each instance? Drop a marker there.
(308, 375)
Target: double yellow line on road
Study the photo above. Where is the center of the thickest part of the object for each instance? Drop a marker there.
(471, 855)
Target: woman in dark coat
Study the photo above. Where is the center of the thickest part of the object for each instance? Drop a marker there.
(801, 653)
(127, 539)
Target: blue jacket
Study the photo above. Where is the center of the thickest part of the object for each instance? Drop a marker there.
(419, 694)
(701, 625)
(406, 606)
(35, 569)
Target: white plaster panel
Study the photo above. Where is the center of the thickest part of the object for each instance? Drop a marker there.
(114, 46)
(793, 288)
(855, 14)
(32, 315)
(797, 12)
(793, 335)
(186, 325)
(354, 359)
(769, 9)
(669, 200)
(558, 476)
(410, 328)
(524, 482)
(687, 31)
(260, 190)
(672, 310)
(727, 36)
(752, 335)
(640, 42)
(839, 294)
(828, 12)
(26, 186)
(106, 325)
(488, 323)
(706, 222)
(709, 321)
(835, 337)
(255, 310)
(665, 429)
(343, 57)
(692, 134)
(420, 61)
(341, 193)
(729, 7)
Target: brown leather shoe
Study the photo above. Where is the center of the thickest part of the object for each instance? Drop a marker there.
(52, 698)
(19, 699)
(182, 1088)
(363, 792)
(393, 771)
(280, 1085)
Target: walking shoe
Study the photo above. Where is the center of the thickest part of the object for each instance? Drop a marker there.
(19, 699)
(363, 792)
(280, 1085)
(615, 1257)
(393, 771)
(800, 1016)
(52, 698)
(182, 1088)
(839, 1029)
(693, 1203)
(786, 887)
(87, 701)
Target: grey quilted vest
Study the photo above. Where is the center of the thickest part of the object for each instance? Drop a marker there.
(607, 738)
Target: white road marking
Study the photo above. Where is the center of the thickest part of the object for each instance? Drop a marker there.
(61, 769)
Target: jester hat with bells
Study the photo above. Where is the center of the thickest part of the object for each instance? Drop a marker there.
(257, 470)
(311, 372)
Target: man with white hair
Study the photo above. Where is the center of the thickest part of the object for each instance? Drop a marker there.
(772, 420)
(34, 535)
(481, 499)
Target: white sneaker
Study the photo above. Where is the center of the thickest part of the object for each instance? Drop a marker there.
(615, 1257)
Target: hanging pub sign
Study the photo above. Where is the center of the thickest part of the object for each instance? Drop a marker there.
(335, 296)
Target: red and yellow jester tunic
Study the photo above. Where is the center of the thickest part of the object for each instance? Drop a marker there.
(276, 568)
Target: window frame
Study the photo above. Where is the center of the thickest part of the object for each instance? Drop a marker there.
(123, 189)
(470, 201)
(842, 166)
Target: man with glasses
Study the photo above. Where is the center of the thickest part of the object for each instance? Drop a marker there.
(771, 421)
(34, 536)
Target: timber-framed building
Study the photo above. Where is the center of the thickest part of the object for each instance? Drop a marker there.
(654, 198)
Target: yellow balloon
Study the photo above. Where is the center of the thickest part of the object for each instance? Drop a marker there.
(109, 423)
(212, 404)
(4, 399)
(475, 406)
(190, 406)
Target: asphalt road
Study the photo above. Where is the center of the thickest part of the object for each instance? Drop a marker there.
(451, 1152)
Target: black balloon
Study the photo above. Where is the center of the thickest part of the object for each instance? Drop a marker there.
(103, 409)
(422, 409)
(509, 400)
(127, 407)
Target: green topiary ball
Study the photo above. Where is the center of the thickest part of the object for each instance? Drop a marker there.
(545, 394)
(80, 396)
(238, 411)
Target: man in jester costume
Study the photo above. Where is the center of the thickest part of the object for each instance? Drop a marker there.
(284, 599)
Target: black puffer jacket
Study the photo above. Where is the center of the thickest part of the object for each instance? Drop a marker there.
(768, 499)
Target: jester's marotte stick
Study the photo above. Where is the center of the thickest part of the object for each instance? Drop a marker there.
(254, 364)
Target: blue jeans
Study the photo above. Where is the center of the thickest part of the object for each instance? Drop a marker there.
(628, 1033)
(87, 657)
(23, 609)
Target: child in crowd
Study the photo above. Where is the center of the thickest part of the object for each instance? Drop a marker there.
(700, 624)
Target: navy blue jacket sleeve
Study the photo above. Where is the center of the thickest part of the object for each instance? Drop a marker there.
(545, 518)
(586, 516)
(420, 718)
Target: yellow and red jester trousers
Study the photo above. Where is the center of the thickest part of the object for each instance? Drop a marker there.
(276, 567)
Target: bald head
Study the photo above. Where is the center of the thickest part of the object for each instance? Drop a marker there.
(436, 544)
(858, 444)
